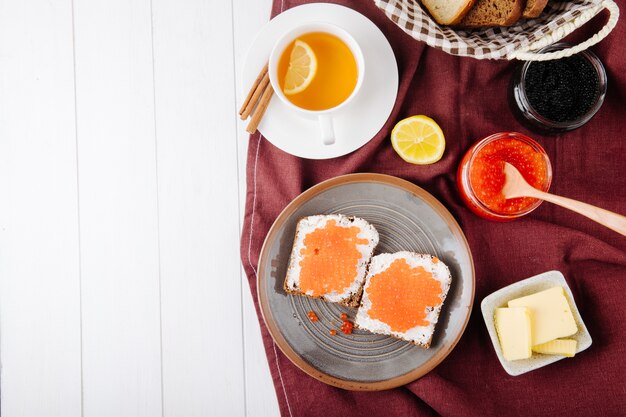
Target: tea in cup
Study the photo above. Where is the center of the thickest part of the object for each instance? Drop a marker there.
(317, 69)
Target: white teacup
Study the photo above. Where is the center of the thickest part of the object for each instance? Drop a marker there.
(325, 117)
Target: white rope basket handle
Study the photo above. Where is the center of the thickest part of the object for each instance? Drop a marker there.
(568, 28)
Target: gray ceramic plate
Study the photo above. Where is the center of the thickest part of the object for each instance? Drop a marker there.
(407, 218)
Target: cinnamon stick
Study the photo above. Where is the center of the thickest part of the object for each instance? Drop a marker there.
(255, 91)
(260, 110)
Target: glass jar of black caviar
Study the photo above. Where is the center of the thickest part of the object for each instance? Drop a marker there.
(558, 95)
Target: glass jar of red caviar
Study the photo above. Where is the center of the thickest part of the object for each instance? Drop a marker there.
(480, 176)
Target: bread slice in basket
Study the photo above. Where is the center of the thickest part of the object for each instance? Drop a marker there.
(493, 13)
(403, 296)
(534, 8)
(448, 12)
(329, 258)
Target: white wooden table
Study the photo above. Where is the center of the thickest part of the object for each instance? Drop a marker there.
(122, 188)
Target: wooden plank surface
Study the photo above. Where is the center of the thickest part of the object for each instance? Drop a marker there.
(203, 370)
(249, 18)
(39, 254)
(118, 209)
(122, 181)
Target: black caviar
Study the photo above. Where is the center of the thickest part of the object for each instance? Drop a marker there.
(562, 90)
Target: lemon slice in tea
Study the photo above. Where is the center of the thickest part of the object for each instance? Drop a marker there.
(301, 70)
(418, 140)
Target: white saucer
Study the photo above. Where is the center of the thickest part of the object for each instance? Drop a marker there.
(359, 122)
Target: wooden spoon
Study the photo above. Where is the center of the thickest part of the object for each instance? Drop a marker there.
(516, 186)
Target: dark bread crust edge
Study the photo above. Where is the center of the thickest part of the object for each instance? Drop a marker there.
(516, 14)
(535, 10)
(352, 301)
(463, 12)
(468, 6)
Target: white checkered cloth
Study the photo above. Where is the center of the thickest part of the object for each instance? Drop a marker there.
(520, 41)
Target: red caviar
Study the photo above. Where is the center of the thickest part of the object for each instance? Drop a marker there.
(487, 173)
(333, 332)
(400, 295)
(312, 316)
(347, 327)
(330, 258)
(481, 175)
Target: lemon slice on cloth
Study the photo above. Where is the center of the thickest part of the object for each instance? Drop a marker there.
(418, 140)
(301, 70)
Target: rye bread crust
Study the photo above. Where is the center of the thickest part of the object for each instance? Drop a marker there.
(352, 301)
(481, 15)
(534, 8)
(464, 12)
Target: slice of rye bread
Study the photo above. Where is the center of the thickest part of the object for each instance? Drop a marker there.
(534, 8)
(493, 13)
(448, 12)
(351, 295)
(420, 335)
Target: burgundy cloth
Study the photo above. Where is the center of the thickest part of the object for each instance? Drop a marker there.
(468, 99)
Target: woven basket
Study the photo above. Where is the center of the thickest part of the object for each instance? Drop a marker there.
(520, 41)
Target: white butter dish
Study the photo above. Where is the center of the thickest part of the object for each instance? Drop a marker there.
(522, 288)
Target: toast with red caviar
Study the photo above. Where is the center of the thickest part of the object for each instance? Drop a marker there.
(329, 258)
(403, 295)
